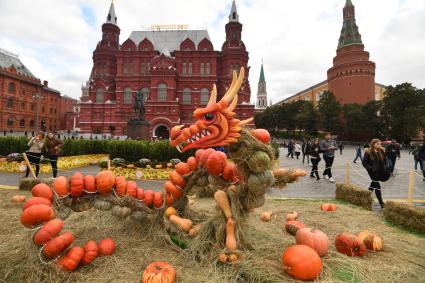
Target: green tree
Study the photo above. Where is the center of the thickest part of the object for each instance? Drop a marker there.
(307, 118)
(374, 125)
(354, 121)
(329, 110)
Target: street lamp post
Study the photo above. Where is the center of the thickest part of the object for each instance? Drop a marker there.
(37, 96)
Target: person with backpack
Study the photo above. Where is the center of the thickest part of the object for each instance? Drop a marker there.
(328, 147)
(314, 152)
(358, 153)
(376, 165)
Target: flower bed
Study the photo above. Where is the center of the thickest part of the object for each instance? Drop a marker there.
(142, 174)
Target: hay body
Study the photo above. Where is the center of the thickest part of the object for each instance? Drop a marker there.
(354, 194)
(28, 183)
(410, 217)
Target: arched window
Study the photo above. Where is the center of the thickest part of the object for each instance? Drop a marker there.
(32, 123)
(9, 103)
(145, 92)
(234, 15)
(100, 95)
(187, 96)
(10, 122)
(205, 96)
(22, 123)
(11, 88)
(162, 92)
(127, 96)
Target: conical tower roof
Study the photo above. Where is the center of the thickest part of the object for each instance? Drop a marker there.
(262, 77)
(111, 18)
(350, 31)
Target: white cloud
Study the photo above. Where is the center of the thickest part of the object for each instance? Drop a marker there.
(296, 39)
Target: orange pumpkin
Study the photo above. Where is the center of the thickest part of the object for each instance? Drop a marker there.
(172, 189)
(76, 184)
(292, 226)
(261, 135)
(158, 199)
(148, 197)
(90, 252)
(183, 168)
(215, 163)
(348, 244)
(89, 184)
(131, 189)
(42, 190)
(292, 216)
(169, 200)
(56, 246)
(373, 242)
(35, 201)
(106, 246)
(328, 207)
(177, 179)
(71, 259)
(37, 214)
(49, 230)
(140, 194)
(18, 198)
(120, 184)
(159, 272)
(315, 239)
(230, 171)
(302, 262)
(170, 211)
(105, 182)
(192, 163)
(60, 185)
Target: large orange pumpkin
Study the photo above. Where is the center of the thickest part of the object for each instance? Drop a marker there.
(177, 179)
(89, 184)
(90, 252)
(105, 182)
(42, 190)
(71, 259)
(172, 189)
(49, 230)
(158, 199)
(192, 163)
(215, 163)
(60, 185)
(120, 184)
(140, 194)
(261, 135)
(349, 244)
(148, 197)
(37, 214)
(292, 226)
(169, 200)
(313, 238)
(159, 272)
(230, 171)
(183, 168)
(106, 246)
(56, 246)
(76, 184)
(131, 189)
(35, 201)
(302, 262)
(328, 207)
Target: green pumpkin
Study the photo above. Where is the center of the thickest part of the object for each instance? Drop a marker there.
(258, 184)
(138, 215)
(121, 211)
(102, 204)
(259, 162)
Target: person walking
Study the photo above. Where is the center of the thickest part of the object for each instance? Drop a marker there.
(35, 144)
(328, 147)
(290, 149)
(314, 153)
(306, 147)
(416, 157)
(53, 146)
(297, 149)
(358, 153)
(422, 159)
(341, 147)
(374, 162)
(392, 151)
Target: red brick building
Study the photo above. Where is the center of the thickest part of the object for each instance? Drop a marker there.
(174, 68)
(20, 95)
(68, 113)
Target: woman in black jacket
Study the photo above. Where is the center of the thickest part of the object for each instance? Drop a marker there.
(314, 153)
(374, 162)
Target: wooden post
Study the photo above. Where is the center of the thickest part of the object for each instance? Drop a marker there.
(109, 164)
(347, 173)
(29, 165)
(411, 188)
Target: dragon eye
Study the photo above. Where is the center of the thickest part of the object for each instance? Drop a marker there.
(209, 116)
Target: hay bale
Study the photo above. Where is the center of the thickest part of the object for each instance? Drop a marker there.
(407, 216)
(27, 184)
(354, 194)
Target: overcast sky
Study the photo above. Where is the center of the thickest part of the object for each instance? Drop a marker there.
(297, 39)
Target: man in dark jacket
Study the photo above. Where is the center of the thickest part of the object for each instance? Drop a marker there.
(392, 151)
(328, 147)
(358, 153)
(290, 149)
(422, 159)
(306, 147)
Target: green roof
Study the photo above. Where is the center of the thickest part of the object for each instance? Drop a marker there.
(262, 77)
(348, 3)
(350, 31)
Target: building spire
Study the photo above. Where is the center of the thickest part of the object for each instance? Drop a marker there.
(233, 17)
(111, 18)
(262, 77)
(350, 32)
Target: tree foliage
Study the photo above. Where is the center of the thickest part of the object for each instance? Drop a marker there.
(329, 110)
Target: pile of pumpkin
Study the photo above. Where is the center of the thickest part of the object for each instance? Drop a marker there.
(38, 214)
(303, 260)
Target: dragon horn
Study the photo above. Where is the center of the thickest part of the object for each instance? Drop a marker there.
(233, 104)
(234, 88)
(213, 97)
(246, 121)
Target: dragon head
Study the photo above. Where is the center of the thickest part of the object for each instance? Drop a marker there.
(215, 124)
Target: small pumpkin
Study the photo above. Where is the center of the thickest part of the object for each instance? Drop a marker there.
(302, 262)
(292, 216)
(159, 272)
(258, 184)
(121, 211)
(373, 242)
(259, 162)
(223, 202)
(131, 189)
(148, 197)
(35, 201)
(106, 247)
(158, 199)
(105, 182)
(261, 135)
(89, 184)
(18, 198)
(231, 243)
(349, 244)
(169, 200)
(328, 207)
(131, 166)
(183, 223)
(138, 215)
(172, 189)
(140, 194)
(183, 168)
(192, 163)
(314, 238)
(56, 246)
(102, 204)
(195, 230)
(76, 184)
(280, 172)
(222, 257)
(170, 211)
(232, 258)
(292, 226)
(60, 185)
(71, 259)
(177, 179)
(49, 230)
(37, 214)
(230, 172)
(202, 155)
(266, 216)
(215, 163)
(42, 190)
(90, 252)
(120, 185)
